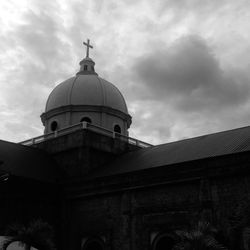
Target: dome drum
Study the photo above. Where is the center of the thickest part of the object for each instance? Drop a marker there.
(101, 116)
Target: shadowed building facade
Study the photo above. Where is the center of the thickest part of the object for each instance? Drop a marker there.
(104, 190)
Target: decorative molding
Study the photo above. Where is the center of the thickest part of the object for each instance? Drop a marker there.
(86, 108)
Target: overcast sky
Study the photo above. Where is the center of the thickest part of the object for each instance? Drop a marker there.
(182, 65)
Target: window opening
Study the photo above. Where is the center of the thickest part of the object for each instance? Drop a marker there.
(54, 126)
(86, 119)
(163, 242)
(117, 129)
(94, 244)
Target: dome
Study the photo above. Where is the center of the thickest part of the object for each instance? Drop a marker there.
(88, 90)
(86, 97)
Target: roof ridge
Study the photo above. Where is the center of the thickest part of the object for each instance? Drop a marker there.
(17, 144)
(200, 136)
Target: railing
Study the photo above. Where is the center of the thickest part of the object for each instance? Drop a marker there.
(88, 126)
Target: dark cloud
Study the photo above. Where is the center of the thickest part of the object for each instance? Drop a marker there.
(200, 9)
(188, 75)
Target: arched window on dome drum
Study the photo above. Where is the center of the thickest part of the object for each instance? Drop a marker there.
(54, 126)
(85, 67)
(86, 119)
(117, 129)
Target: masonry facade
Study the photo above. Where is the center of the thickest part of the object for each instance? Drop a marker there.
(142, 208)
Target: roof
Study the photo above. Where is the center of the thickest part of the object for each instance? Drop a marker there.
(206, 146)
(27, 162)
(90, 90)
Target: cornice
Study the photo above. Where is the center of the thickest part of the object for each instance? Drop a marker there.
(86, 108)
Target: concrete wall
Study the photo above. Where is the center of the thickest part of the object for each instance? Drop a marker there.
(101, 119)
(81, 151)
(129, 211)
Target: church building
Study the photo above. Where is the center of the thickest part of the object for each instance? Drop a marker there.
(103, 190)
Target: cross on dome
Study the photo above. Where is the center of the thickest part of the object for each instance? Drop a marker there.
(88, 46)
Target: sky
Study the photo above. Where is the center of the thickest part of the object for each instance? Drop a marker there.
(182, 65)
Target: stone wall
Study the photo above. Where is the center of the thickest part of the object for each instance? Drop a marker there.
(81, 151)
(129, 211)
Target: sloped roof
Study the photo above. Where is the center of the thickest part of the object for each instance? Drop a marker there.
(206, 146)
(27, 162)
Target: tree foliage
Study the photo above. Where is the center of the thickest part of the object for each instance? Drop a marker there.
(37, 234)
(240, 224)
(201, 237)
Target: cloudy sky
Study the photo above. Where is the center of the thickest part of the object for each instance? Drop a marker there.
(182, 65)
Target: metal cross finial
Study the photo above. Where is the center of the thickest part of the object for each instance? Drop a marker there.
(88, 46)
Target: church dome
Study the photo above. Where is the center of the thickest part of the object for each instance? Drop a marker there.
(86, 89)
(86, 97)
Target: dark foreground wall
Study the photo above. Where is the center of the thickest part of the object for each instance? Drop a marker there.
(25, 200)
(137, 210)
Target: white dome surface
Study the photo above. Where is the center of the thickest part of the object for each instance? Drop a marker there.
(86, 90)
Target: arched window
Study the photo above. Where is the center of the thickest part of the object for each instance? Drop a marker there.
(85, 68)
(163, 242)
(117, 129)
(86, 119)
(54, 126)
(94, 244)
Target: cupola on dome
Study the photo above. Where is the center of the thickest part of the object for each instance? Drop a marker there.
(87, 97)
